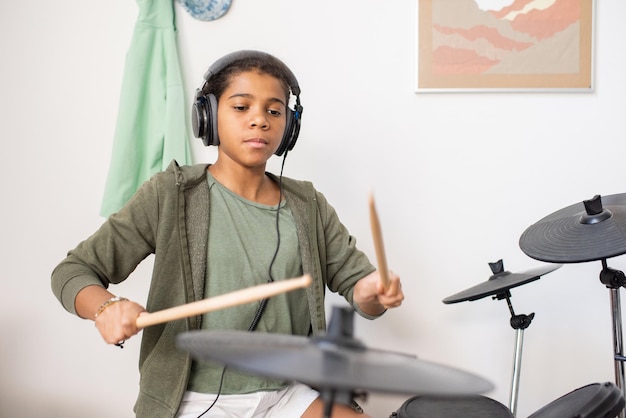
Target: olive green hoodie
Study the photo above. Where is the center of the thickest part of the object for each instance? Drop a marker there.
(168, 217)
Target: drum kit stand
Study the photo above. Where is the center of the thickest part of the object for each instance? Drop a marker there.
(593, 231)
(499, 287)
(342, 368)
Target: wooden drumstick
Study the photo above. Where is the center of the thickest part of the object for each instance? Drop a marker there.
(227, 300)
(378, 244)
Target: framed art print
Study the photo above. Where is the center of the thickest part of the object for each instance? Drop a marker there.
(505, 45)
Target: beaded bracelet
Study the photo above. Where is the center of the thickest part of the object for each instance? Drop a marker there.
(109, 303)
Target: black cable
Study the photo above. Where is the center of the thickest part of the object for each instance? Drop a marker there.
(259, 312)
(219, 391)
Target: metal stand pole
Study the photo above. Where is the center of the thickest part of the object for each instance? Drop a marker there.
(617, 342)
(614, 280)
(517, 366)
(518, 323)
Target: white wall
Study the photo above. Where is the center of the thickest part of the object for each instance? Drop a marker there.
(457, 178)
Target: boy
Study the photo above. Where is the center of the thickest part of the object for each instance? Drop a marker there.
(218, 228)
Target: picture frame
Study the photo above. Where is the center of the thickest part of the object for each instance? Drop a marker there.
(463, 48)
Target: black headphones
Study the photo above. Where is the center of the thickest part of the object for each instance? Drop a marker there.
(204, 111)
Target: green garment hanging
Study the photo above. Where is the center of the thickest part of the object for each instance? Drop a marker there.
(151, 129)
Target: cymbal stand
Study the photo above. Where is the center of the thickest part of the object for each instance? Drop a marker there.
(614, 279)
(340, 333)
(518, 323)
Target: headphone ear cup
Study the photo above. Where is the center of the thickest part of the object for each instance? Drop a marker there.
(199, 116)
(292, 129)
(212, 120)
(204, 118)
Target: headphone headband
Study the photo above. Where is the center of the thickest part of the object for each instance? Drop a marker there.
(228, 59)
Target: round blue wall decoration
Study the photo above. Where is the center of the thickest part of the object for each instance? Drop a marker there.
(206, 9)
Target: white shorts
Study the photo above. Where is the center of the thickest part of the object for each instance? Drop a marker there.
(286, 403)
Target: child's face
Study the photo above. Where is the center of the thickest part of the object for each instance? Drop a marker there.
(251, 118)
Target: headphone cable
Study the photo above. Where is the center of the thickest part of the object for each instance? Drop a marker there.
(259, 312)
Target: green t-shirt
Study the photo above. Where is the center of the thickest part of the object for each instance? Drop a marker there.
(242, 243)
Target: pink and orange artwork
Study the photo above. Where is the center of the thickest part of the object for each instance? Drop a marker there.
(505, 44)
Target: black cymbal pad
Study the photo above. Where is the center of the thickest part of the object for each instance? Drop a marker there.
(323, 364)
(499, 283)
(591, 230)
